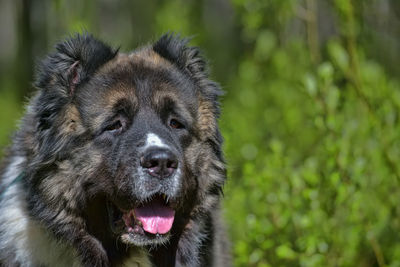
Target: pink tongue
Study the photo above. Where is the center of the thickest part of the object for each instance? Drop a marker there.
(155, 217)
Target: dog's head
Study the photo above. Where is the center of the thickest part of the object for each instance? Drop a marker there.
(125, 145)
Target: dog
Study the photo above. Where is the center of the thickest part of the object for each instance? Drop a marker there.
(117, 161)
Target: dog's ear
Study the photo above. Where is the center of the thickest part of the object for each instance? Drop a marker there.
(176, 50)
(74, 61)
(189, 59)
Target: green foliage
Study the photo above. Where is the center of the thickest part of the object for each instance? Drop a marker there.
(311, 126)
(313, 152)
(10, 112)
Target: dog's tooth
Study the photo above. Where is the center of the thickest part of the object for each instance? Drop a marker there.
(138, 229)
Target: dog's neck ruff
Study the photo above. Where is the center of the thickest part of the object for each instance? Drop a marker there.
(6, 187)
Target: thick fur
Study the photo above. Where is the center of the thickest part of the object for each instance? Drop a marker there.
(79, 146)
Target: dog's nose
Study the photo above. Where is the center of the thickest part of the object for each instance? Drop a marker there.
(161, 163)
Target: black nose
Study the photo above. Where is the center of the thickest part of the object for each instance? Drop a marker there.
(159, 162)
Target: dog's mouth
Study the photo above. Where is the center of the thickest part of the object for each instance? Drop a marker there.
(146, 224)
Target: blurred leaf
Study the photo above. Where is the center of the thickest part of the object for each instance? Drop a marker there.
(285, 252)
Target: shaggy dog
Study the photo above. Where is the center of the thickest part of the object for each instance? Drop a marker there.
(117, 162)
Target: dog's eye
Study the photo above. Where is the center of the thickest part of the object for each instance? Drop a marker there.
(115, 127)
(173, 123)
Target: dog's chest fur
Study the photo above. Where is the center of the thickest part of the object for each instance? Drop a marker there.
(23, 242)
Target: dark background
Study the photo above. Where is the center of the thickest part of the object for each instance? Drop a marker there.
(310, 115)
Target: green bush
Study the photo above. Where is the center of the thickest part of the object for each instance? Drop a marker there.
(313, 152)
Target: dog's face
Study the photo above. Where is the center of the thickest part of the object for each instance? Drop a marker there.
(126, 144)
(141, 111)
